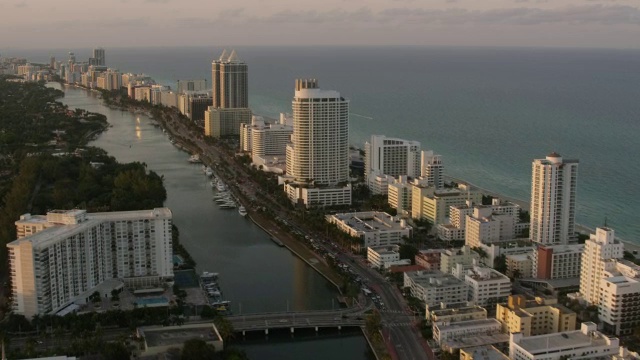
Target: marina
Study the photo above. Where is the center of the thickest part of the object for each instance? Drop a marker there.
(211, 288)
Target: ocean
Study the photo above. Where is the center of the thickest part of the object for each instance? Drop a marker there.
(488, 111)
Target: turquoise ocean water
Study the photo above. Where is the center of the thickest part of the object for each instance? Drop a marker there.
(488, 111)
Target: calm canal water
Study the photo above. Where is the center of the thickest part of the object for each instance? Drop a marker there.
(255, 274)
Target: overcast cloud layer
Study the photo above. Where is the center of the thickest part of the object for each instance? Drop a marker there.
(80, 23)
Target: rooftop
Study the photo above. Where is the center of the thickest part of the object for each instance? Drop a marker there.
(470, 324)
(476, 340)
(458, 311)
(485, 352)
(177, 335)
(576, 339)
(433, 278)
(56, 231)
(370, 221)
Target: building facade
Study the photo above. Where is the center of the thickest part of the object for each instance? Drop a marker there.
(67, 253)
(534, 317)
(553, 200)
(318, 155)
(230, 82)
(392, 156)
(373, 227)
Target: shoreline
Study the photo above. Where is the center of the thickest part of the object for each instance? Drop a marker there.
(583, 229)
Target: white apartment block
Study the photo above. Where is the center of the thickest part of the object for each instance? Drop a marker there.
(487, 286)
(455, 230)
(557, 262)
(619, 307)
(586, 343)
(392, 156)
(65, 255)
(484, 226)
(434, 205)
(383, 257)
(435, 287)
(373, 227)
(318, 154)
(451, 257)
(432, 169)
(599, 258)
(553, 200)
(264, 141)
(520, 266)
(378, 183)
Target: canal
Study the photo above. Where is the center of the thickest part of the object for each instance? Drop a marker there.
(255, 274)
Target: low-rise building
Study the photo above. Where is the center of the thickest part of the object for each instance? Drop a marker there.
(558, 261)
(457, 314)
(451, 257)
(429, 259)
(486, 352)
(435, 287)
(373, 227)
(487, 286)
(383, 257)
(535, 317)
(159, 339)
(586, 343)
(444, 332)
(519, 266)
(434, 204)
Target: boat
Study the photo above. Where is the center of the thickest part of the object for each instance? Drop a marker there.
(208, 171)
(195, 159)
(242, 211)
(228, 205)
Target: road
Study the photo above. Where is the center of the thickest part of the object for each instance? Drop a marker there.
(398, 321)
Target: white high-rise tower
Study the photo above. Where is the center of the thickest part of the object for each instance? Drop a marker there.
(599, 258)
(318, 155)
(553, 200)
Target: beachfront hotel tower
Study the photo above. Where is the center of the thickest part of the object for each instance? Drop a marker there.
(553, 200)
(317, 157)
(230, 82)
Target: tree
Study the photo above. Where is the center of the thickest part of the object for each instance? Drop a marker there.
(373, 322)
(198, 349)
(500, 263)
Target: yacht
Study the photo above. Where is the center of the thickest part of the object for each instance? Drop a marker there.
(208, 171)
(228, 205)
(242, 211)
(221, 186)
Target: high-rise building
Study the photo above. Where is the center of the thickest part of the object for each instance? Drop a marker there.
(98, 56)
(318, 155)
(432, 169)
(230, 82)
(599, 259)
(553, 200)
(66, 255)
(392, 156)
(192, 85)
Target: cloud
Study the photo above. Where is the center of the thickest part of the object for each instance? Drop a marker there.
(574, 15)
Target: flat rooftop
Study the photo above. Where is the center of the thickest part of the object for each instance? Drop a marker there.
(486, 352)
(433, 278)
(542, 344)
(371, 221)
(177, 335)
(470, 324)
(57, 231)
(458, 311)
(476, 340)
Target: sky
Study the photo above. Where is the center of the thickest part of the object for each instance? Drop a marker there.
(131, 23)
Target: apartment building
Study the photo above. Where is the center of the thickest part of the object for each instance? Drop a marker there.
(535, 317)
(66, 254)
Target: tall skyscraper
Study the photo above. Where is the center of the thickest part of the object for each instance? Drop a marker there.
(318, 155)
(599, 260)
(230, 82)
(553, 200)
(98, 56)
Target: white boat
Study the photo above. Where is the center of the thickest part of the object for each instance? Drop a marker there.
(221, 186)
(228, 205)
(194, 159)
(208, 171)
(242, 211)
